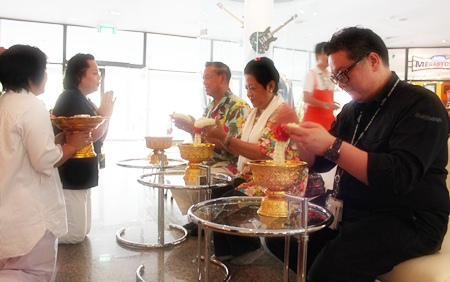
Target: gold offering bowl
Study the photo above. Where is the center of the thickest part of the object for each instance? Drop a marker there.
(80, 123)
(158, 144)
(195, 154)
(276, 180)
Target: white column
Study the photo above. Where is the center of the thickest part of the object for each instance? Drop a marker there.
(258, 16)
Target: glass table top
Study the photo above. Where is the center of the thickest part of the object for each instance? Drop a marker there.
(145, 163)
(238, 215)
(174, 179)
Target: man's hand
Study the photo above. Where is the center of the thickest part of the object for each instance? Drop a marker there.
(215, 132)
(184, 124)
(285, 114)
(312, 136)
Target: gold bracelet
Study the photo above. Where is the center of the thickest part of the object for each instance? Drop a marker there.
(227, 140)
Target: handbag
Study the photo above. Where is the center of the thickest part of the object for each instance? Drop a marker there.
(315, 186)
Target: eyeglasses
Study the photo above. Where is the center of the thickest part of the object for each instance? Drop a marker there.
(343, 76)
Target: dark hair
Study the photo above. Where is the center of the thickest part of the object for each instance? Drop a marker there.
(19, 64)
(76, 68)
(221, 68)
(264, 71)
(319, 48)
(357, 42)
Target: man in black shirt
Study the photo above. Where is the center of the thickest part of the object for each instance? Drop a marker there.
(390, 146)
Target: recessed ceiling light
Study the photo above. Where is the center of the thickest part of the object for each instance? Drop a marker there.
(114, 13)
(402, 20)
(389, 37)
(444, 40)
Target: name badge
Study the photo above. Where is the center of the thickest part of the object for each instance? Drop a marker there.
(335, 206)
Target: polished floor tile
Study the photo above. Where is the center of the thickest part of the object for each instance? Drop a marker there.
(121, 202)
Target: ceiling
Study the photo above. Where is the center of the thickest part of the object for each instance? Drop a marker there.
(401, 23)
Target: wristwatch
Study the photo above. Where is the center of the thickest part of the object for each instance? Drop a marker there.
(332, 153)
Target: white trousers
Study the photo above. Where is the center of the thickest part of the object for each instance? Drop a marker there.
(78, 207)
(185, 199)
(36, 266)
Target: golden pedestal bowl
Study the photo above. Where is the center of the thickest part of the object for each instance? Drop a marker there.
(276, 180)
(194, 154)
(158, 144)
(80, 123)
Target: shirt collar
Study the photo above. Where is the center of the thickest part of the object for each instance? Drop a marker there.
(374, 104)
(386, 89)
(223, 100)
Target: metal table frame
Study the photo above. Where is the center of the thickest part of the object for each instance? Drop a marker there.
(226, 180)
(300, 230)
(222, 180)
(158, 182)
(160, 167)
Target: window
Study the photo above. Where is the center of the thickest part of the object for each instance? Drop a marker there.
(229, 53)
(293, 63)
(130, 88)
(123, 47)
(165, 52)
(47, 37)
(54, 85)
(173, 92)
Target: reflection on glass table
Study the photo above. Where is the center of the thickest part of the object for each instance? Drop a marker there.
(239, 216)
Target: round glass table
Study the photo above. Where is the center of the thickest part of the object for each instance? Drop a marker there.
(239, 216)
(171, 179)
(144, 163)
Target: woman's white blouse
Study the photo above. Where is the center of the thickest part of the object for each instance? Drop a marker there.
(31, 197)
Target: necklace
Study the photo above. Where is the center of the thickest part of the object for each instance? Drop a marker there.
(257, 115)
(339, 170)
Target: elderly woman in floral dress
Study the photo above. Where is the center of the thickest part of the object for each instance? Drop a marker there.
(256, 141)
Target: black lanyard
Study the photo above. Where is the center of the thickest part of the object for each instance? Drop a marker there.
(339, 170)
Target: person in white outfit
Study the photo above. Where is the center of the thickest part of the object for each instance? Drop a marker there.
(32, 211)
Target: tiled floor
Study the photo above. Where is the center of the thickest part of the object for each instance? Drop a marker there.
(120, 201)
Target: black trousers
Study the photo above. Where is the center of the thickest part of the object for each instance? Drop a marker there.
(234, 245)
(364, 247)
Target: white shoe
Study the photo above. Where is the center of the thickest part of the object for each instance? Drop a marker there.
(249, 257)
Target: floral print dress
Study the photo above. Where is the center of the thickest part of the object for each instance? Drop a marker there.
(266, 144)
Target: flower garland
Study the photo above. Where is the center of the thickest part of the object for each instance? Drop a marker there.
(280, 146)
(198, 128)
(197, 136)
